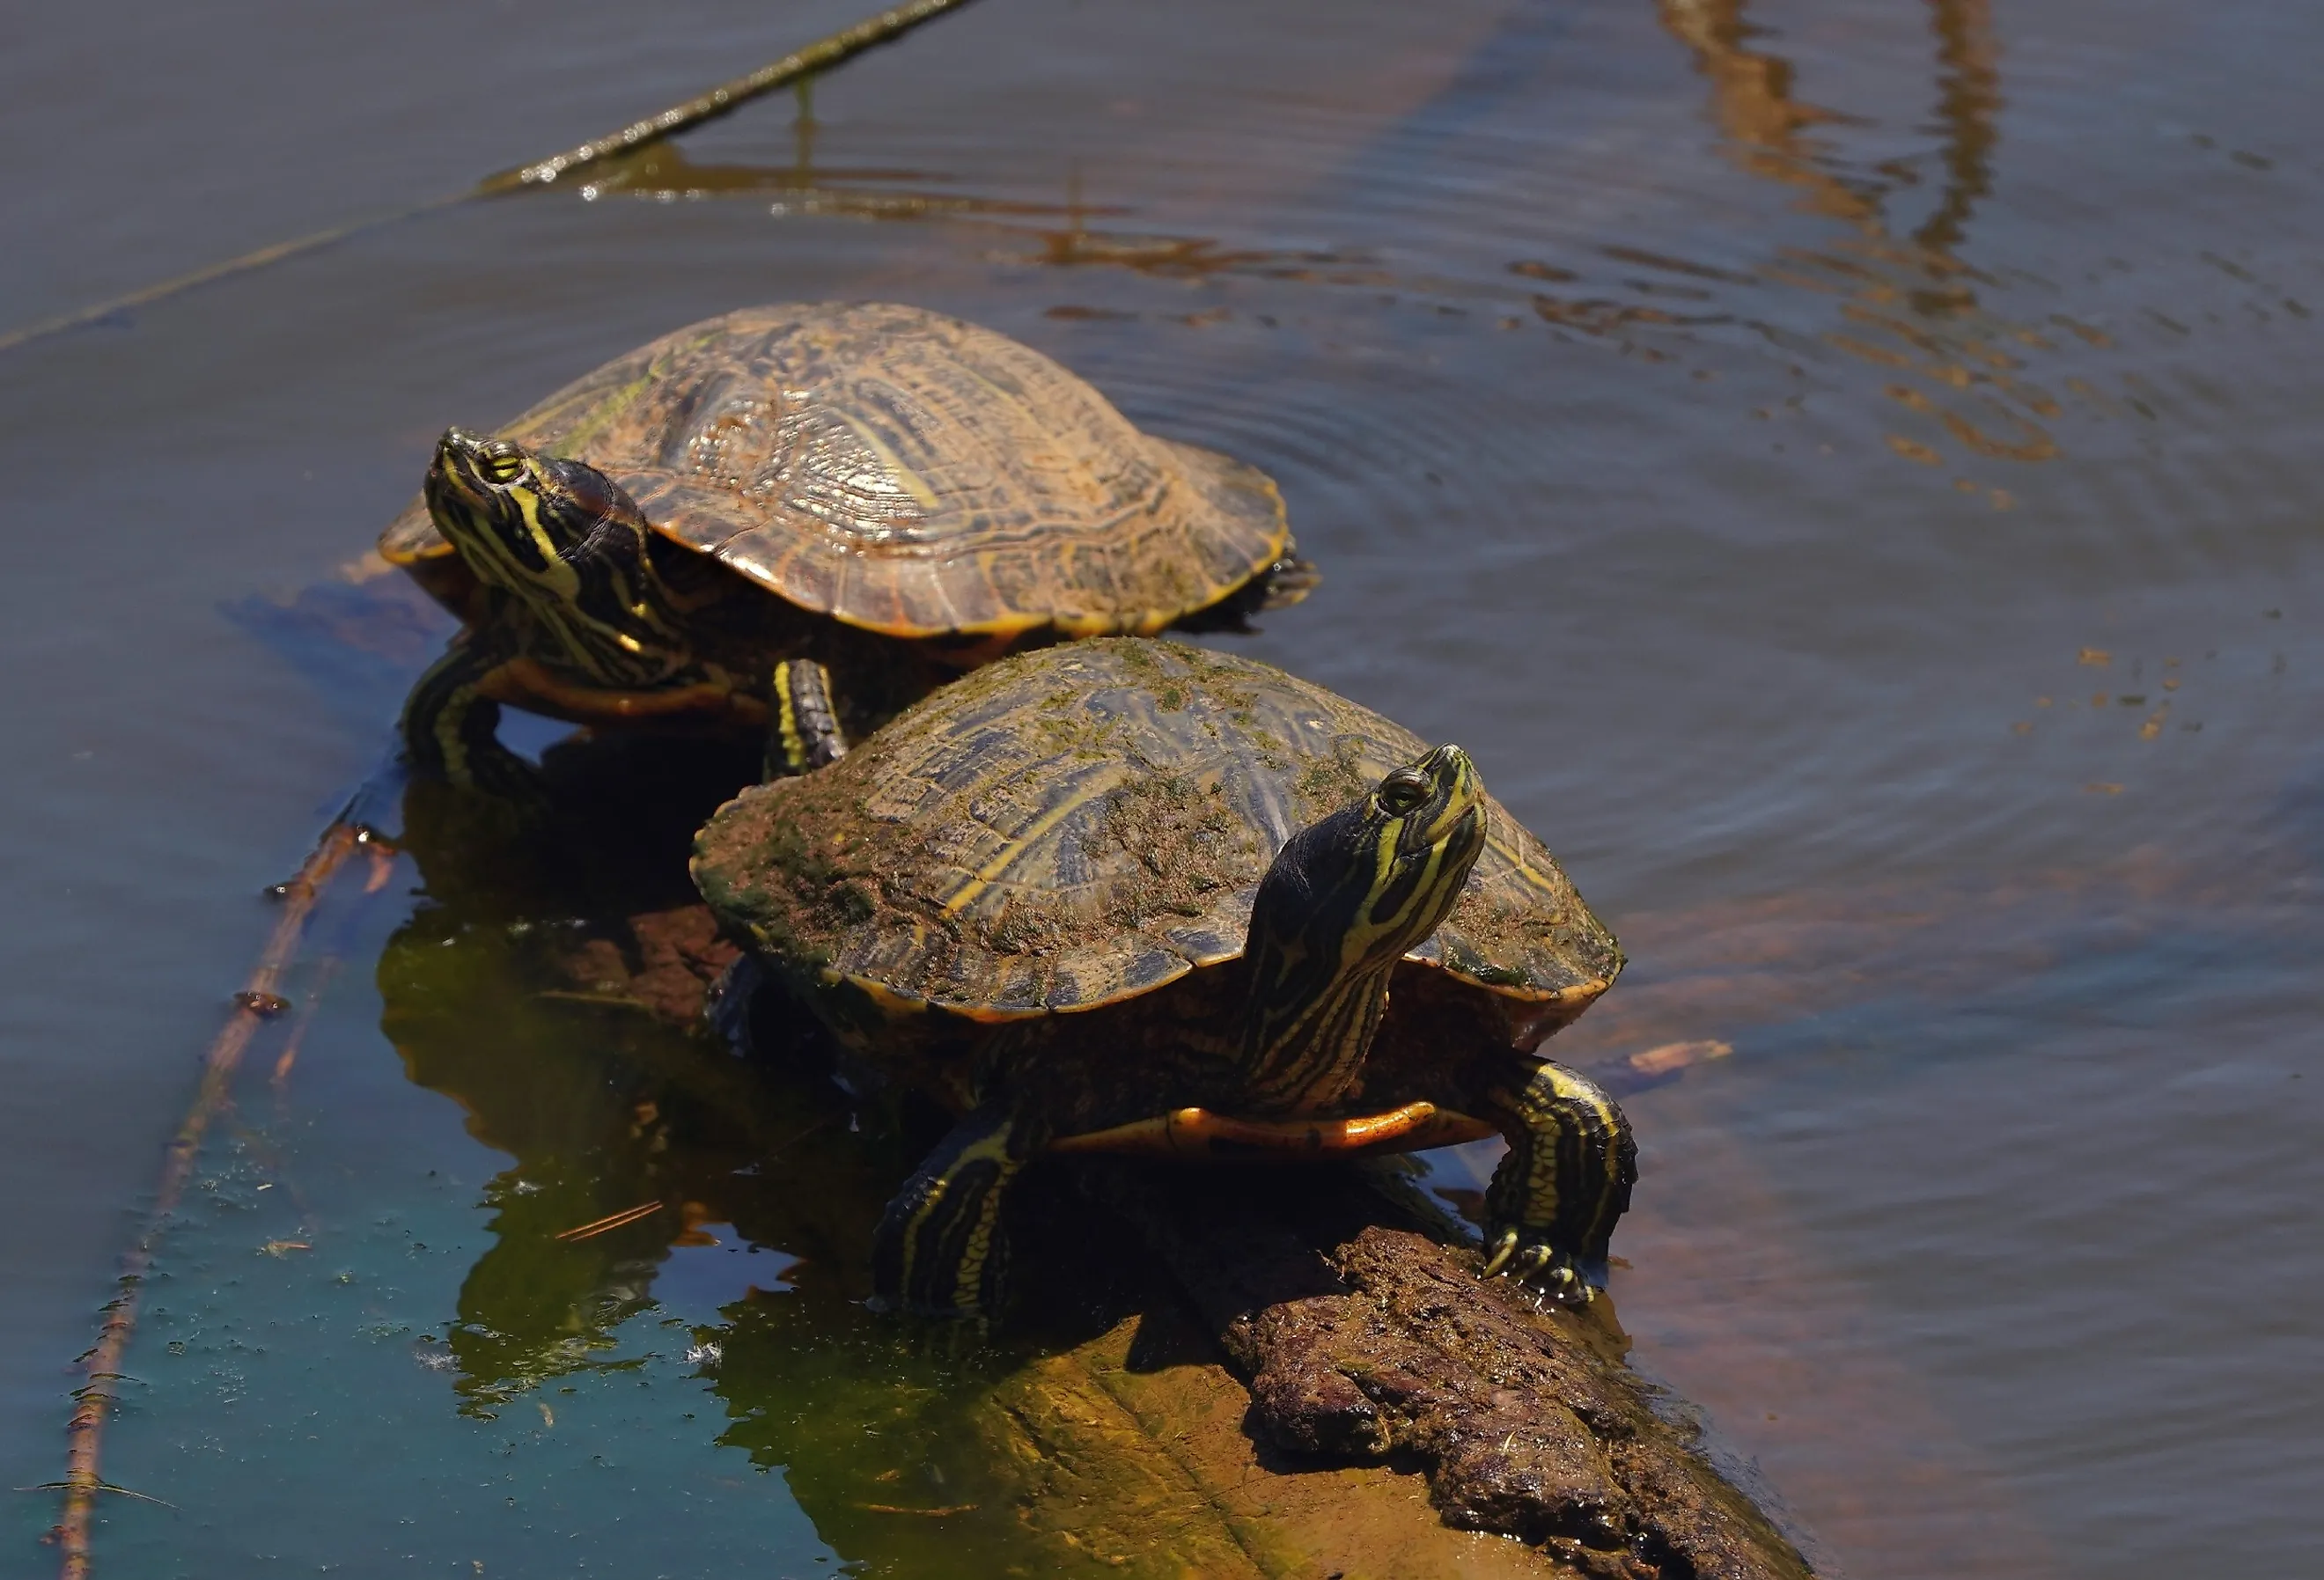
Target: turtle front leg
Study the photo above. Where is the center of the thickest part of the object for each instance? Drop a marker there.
(940, 1250)
(450, 726)
(802, 731)
(1556, 1197)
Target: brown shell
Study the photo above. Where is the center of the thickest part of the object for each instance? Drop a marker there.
(906, 472)
(1077, 825)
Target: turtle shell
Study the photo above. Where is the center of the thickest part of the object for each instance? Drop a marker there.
(1074, 827)
(904, 472)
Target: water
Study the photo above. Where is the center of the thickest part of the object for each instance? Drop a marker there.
(1841, 470)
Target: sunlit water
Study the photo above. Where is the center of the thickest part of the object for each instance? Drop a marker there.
(1844, 471)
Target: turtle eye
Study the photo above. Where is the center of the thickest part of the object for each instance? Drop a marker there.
(1405, 790)
(500, 462)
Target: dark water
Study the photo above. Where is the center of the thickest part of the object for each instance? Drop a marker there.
(1845, 472)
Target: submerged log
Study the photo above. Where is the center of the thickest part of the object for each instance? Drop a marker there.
(1319, 1386)
(1133, 1449)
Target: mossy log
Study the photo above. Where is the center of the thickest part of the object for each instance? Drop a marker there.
(1319, 1387)
(1362, 1342)
(1133, 1450)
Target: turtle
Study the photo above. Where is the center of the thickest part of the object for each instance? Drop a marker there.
(803, 516)
(1140, 896)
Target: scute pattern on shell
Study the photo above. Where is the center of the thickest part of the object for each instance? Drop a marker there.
(1074, 826)
(906, 472)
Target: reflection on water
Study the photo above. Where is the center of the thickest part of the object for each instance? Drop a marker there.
(1893, 292)
(661, 172)
(1767, 127)
(1910, 302)
(1647, 379)
(667, 1193)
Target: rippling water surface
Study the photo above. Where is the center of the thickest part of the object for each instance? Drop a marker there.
(1845, 470)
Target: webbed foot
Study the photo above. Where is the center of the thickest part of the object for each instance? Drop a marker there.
(942, 1247)
(1562, 1185)
(449, 732)
(1531, 1263)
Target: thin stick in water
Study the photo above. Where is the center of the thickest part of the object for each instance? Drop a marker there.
(259, 1000)
(144, 295)
(797, 67)
(610, 1222)
(85, 1433)
(728, 97)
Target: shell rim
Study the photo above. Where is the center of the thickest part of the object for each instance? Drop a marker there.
(436, 549)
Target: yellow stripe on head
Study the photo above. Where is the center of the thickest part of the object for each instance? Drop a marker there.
(1345, 898)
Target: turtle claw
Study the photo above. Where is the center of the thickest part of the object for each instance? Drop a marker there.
(1536, 1268)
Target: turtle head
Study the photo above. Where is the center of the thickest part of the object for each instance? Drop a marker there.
(563, 538)
(516, 516)
(1345, 898)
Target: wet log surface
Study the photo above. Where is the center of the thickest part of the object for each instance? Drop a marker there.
(1314, 1385)
(1361, 1341)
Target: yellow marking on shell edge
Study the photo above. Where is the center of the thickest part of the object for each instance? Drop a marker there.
(1138, 623)
(1580, 994)
(1551, 1010)
(892, 1005)
(986, 1015)
(1004, 629)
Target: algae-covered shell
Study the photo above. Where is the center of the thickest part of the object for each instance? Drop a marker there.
(904, 472)
(1074, 826)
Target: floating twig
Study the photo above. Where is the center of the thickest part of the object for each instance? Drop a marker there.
(143, 296)
(102, 1487)
(615, 999)
(611, 1222)
(1670, 1058)
(85, 1436)
(291, 1044)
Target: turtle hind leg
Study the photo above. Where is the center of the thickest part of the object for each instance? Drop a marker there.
(1287, 581)
(940, 1250)
(450, 727)
(802, 731)
(1554, 1199)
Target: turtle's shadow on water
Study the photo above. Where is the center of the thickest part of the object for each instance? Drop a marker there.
(613, 842)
